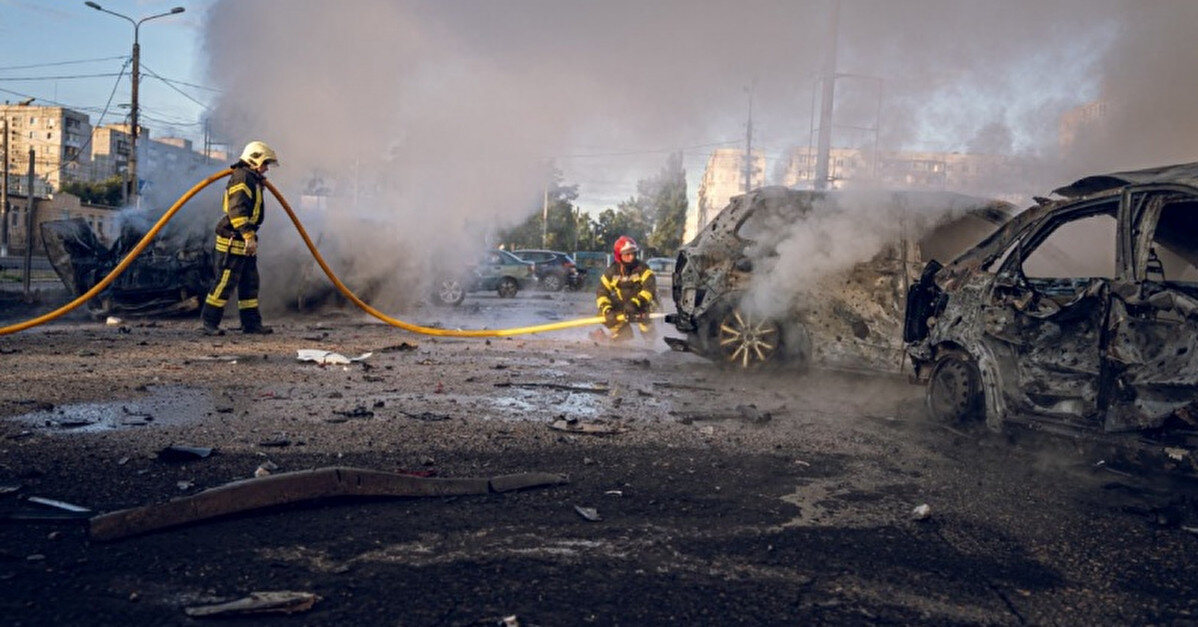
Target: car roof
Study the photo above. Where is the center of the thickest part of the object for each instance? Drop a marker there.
(1182, 173)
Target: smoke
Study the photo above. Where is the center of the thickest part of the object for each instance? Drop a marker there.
(436, 123)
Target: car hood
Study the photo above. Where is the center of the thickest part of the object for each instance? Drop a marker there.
(1182, 173)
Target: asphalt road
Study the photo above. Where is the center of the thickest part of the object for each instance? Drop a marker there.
(711, 497)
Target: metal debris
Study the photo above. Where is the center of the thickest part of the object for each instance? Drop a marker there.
(589, 428)
(178, 453)
(588, 513)
(266, 602)
(921, 512)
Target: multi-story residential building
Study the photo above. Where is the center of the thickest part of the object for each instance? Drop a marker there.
(851, 167)
(58, 137)
(1080, 119)
(110, 151)
(723, 178)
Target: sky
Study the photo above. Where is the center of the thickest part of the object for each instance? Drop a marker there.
(441, 119)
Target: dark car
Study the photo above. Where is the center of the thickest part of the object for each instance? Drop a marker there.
(591, 266)
(755, 286)
(555, 270)
(1079, 316)
(497, 270)
(170, 276)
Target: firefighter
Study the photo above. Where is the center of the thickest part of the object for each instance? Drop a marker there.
(627, 288)
(237, 243)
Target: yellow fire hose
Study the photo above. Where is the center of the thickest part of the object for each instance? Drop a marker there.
(149, 237)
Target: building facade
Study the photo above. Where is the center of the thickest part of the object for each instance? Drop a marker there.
(723, 178)
(59, 138)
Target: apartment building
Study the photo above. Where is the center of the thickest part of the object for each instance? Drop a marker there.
(723, 178)
(851, 167)
(59, 139)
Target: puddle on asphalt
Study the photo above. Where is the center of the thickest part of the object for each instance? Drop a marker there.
(526, 404)
(163, 406)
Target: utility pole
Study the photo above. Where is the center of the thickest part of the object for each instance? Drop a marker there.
(4, 192)
(545, 218)
(749, 144)
(29, 227)
(826, 102)
(133, 131)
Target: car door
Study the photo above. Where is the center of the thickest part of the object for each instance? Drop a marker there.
(1151, 367)
(1049, 306)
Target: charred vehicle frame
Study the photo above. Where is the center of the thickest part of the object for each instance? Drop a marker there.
(849, 319)
(1099, 343)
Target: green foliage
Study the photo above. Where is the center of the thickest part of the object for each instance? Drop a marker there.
(106, 192)
(655, 217)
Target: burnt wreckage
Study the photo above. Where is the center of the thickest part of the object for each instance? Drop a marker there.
(169, 277)
(849, 317)
(1079, 317)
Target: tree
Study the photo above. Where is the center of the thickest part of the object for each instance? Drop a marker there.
(555, 219)
(106, 192)
(666, 197)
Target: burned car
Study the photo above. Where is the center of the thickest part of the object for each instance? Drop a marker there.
(1079, 316)
(814, 277)
(170, 276)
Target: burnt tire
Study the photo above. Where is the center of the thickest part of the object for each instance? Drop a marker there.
(449, 292)
(508, 287)
(954, 394)
(746, 341)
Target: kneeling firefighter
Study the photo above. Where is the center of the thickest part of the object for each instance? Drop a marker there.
(627, 287)
(237, 242)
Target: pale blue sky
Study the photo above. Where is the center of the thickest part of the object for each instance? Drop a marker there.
(65, 53)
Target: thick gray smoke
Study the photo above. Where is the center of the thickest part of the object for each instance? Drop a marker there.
(434, 123)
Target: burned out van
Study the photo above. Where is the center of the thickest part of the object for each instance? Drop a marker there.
(811, 277)
(1079, 316)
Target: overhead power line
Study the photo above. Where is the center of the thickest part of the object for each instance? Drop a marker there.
(37, 65)
(57, 78)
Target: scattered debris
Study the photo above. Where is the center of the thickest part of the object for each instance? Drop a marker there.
(113, 321)
(426, 416)
(357, 412)
(176, 453)
(266, 602)
(185, 485)
(67, 507)
(302, 485)
(278, 442)
(753, 415)
(9, 489)
(590, 428)
(328, 358)
(402, 347)
(592, 389)
(588, 513)
(921, 512)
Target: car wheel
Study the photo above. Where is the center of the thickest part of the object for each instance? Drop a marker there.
(747, 340)
(954, 392)
(508, 287)
(552, 283)
(449, 292)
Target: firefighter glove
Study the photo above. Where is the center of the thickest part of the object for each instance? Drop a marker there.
(609, 316)
(251, 243)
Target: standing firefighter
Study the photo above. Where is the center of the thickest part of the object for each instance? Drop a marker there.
(237, 243)
(627, 287)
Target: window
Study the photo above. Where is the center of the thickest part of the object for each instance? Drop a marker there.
(1173, 250)
(1082, 247)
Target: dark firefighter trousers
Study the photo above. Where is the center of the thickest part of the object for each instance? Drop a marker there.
(238, 272)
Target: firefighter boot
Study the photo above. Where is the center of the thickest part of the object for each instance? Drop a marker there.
(211, 317)
(251, 322)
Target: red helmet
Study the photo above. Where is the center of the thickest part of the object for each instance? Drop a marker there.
(624, 245)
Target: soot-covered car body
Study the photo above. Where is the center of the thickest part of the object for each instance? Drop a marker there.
(169, 277)
(854, 255)
(1079, 316)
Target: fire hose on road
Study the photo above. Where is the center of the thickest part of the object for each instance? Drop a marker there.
(407, 326)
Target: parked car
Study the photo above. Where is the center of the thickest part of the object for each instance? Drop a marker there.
(555, 270)
(840, 317)
(1079, 316)
(591, 266)
(497, 270)
(663, 268)
(170, 276)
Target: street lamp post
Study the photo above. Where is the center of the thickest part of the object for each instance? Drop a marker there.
(133, 130)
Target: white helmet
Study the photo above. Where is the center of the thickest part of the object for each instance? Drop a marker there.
(256, 153)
